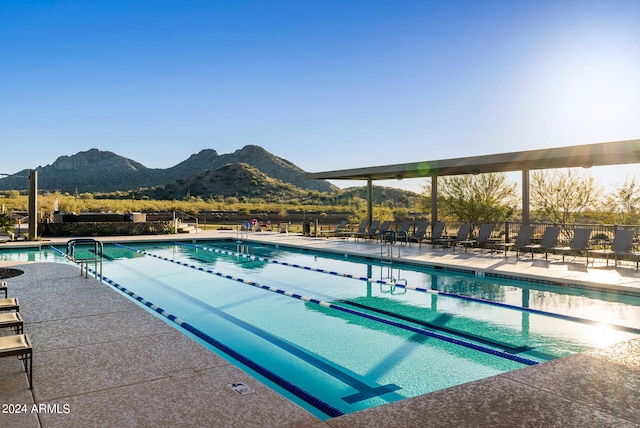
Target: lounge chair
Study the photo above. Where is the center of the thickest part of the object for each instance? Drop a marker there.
(420, 234)
(463, 234)
(484, 237)
(384, 227)
(339, 229)
(523, 239)
(436, 233)
(369, 231)
(549, 241)
(348, 233)
(579, 243)
(13, 321)
(10, 304)
(402, 234)
(18, 345)
(621, 246)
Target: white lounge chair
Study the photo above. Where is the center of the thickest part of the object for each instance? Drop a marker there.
(18, 345)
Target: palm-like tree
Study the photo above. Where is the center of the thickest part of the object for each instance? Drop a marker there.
(6, 224)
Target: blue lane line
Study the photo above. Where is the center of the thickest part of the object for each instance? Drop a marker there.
(421, 331)
(364, 390)
(297, 391)
(278, 380)
(426, 290)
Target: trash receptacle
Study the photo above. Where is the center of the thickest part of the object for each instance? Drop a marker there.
(306, 228)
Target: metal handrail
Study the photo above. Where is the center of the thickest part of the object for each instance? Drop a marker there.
(98, 252)
(182, 213)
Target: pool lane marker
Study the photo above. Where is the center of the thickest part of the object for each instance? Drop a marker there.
(278, 380)
(365, 391)
(421, 331)
(623, 328)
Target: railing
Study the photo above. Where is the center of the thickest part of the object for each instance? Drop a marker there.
(599, 232)
(242, 231)
(98, 254)
(509, 230)
(182, 216)
(388, 242)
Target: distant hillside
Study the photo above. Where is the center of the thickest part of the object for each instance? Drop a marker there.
(381, 195)
(102, 171)
(234, 179)
(254, 156)
(90, 171)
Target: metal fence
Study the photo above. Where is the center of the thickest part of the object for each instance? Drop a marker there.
(599, 232)
(509, 230)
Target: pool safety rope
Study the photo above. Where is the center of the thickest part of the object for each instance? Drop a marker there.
(421, 331)
(623, 328)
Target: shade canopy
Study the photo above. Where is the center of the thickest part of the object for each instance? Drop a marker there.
(613, 153)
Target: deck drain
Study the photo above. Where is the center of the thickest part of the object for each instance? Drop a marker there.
(240, 388)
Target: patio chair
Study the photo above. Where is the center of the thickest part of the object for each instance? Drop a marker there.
(436, 233)
(549, 241)
(18, 345)
(523, 239)
(402, 234)
(579, 243)
(339, 229)
(463, 234)
(9, 304)
(483, 239)
(13, 321)
(348, 233)
(420, 233)
(384, 227)
(369, 231)
(622, 245)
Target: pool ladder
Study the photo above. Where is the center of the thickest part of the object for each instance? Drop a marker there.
(242, 231)
(391, 281)
(98, 255)
(387, 244)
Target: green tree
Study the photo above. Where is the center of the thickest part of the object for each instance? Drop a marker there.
(563, 195)
(6, 224)
(623, 203)
(476, 199)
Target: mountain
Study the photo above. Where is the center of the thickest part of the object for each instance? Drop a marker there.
(381, 194)
(233, 179)
(254, 156)
(102, 171)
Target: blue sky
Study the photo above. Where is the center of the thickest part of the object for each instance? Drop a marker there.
(324, 84)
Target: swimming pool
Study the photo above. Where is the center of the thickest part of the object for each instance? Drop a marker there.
(355, 333)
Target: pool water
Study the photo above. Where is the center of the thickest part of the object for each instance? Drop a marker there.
(366, 333)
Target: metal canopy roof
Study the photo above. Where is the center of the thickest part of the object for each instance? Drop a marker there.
(613, 153)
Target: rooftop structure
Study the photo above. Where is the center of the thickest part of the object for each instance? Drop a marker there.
(585, 156)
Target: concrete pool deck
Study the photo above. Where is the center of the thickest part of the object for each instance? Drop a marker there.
(102, 360)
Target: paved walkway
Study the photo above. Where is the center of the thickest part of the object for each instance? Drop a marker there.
(101, 360)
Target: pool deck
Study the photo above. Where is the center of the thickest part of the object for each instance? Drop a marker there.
(102, 360)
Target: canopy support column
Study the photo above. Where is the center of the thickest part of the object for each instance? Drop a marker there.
(434, 200)
(525, 197)
(33, 205)
(369, 200)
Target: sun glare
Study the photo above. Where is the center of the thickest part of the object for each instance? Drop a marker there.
(583, 81)
(604, 335)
